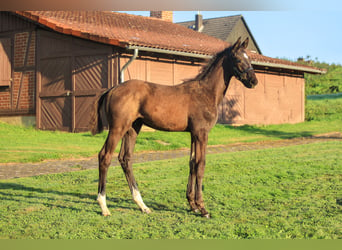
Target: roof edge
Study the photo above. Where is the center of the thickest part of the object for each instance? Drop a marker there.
(290, 67)
(167, 51)
(203, 56)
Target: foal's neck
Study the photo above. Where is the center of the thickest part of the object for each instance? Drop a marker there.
(217, 82)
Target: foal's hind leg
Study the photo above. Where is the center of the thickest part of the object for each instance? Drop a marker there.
(105, 157)
(125, 159)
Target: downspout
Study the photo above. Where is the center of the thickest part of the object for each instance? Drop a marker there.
(122, 72)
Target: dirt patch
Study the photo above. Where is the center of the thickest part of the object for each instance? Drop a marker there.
(163, 143)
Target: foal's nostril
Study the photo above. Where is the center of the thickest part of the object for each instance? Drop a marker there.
(254, 81)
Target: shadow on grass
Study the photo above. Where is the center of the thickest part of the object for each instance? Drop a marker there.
(31, 198)
(254, 130)
(31, 195)
(100, 135)
(325, 96)
(15, 186)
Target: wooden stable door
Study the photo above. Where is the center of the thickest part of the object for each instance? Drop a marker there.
(55, 94)
(72, 72)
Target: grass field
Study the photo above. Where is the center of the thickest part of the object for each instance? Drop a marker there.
(18, 144)
(293, 192)
(281, 193)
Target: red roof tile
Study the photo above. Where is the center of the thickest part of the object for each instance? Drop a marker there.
(279, 63)
(122, 29)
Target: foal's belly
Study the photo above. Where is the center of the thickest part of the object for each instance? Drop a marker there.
(166, 117)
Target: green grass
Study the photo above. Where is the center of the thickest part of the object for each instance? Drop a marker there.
(292, 192)
(324, 107)
(19, 144)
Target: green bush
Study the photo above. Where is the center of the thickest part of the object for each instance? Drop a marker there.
(323, 107)
(328, 83)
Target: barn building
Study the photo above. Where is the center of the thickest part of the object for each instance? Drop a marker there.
(54, 63)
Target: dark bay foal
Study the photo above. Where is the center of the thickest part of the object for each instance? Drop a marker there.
(191, 107)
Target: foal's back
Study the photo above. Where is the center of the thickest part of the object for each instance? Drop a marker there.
(159, 106)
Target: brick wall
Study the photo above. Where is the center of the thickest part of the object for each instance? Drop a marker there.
(20, 96)
(5, 99)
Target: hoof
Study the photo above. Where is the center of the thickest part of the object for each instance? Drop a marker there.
(107, 213)
(146, 211)
(196, 210)
(206, 216)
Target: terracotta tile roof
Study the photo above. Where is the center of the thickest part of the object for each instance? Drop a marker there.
(271, 62)
(124, 30)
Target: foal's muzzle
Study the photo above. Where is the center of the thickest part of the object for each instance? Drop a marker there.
(247, 77)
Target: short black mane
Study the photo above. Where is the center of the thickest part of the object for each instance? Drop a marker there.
(212, 64)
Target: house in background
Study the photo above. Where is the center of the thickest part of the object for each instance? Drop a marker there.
(228, 29)
(53, 64)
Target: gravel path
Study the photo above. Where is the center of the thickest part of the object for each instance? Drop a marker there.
(17, 170)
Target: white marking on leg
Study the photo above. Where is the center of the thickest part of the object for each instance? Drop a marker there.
(139, 201)
(192, 155)
(101, 199)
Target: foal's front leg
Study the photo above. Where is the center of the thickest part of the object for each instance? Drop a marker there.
(200, 151)
(197, 165)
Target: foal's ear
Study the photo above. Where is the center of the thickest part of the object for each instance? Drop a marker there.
(245, 43)
(236, 45)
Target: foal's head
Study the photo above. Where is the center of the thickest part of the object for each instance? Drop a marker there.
(242, 68)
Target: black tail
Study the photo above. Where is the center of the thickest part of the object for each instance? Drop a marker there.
(96, 123)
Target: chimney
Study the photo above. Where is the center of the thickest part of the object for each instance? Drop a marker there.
(199, 23)
(164, 15)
